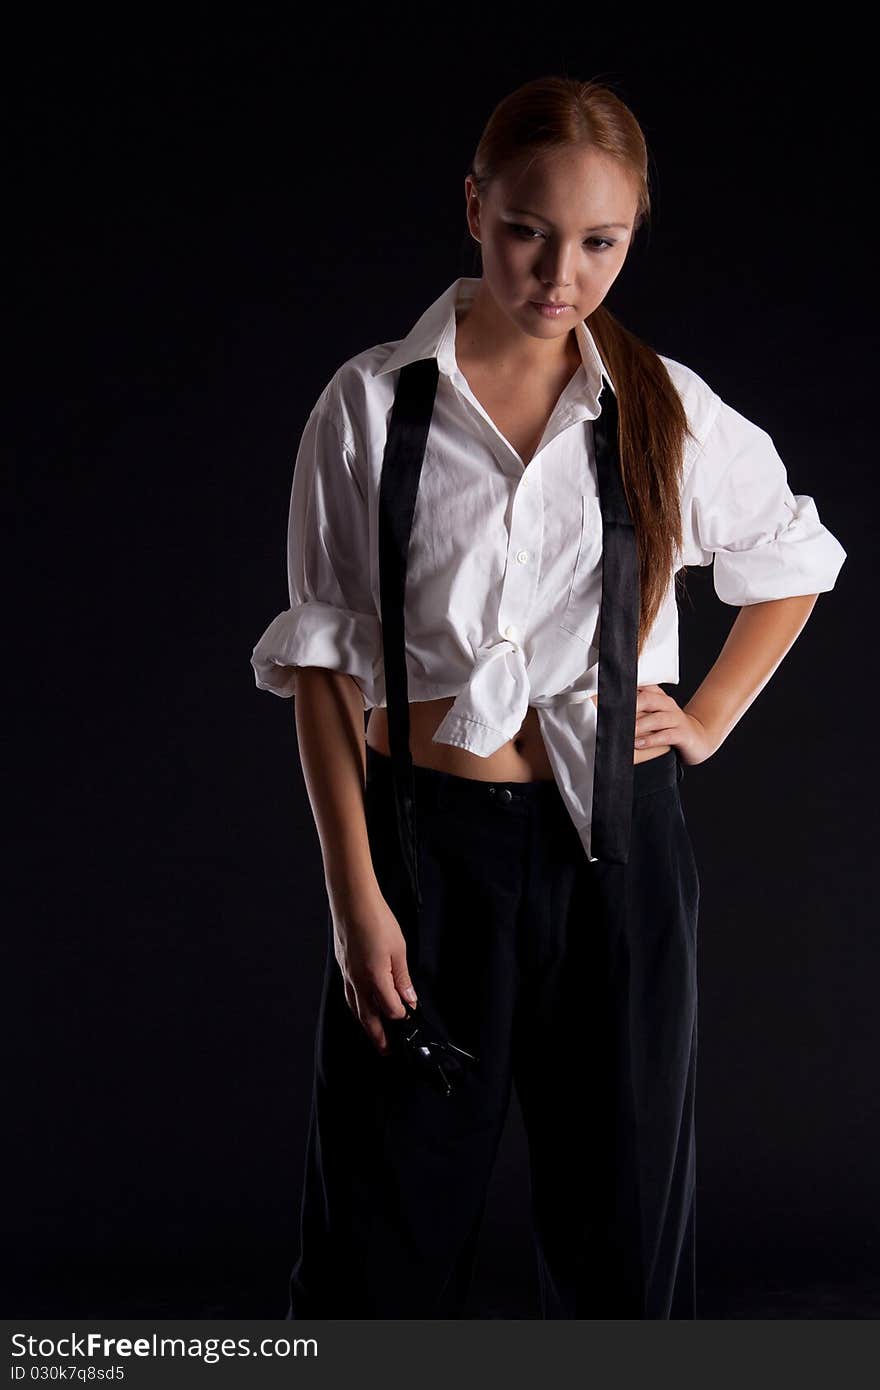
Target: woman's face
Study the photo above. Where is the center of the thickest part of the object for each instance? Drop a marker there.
(555, 227)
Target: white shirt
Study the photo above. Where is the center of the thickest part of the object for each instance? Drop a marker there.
(504, 575)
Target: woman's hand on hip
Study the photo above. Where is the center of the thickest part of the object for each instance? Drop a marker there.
(660, 719)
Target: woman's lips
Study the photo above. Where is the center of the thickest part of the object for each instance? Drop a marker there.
(550, 311)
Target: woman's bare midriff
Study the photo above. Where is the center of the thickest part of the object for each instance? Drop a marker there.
(522, 759)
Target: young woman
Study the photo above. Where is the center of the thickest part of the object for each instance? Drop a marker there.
(566, 475)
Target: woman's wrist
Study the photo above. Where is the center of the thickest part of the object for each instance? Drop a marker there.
(350, 886)
(711, 719)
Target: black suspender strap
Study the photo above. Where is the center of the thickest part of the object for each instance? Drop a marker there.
(401, 469)
(618, 649)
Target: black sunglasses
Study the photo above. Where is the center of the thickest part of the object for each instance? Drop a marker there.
(432, 1057)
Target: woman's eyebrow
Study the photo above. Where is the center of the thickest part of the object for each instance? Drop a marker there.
(601, 226)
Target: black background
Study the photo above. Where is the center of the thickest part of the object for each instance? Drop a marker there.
(203, 223)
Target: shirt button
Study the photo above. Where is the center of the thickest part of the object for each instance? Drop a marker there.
(525, 480)
(522, 556)
(510, 631)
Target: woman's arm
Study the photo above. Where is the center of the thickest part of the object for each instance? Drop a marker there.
(771, 557)
(329, 712)
(369, 943)
(755, 646)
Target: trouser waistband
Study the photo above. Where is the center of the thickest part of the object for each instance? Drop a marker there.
(436, 788)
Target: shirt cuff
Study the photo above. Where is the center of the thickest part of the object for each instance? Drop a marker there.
(319, 634)
(804, 558)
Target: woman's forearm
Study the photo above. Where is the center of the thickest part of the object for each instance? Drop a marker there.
(755, 646)
(330, 735)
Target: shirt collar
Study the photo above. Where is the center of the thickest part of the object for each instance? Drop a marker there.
(433, 335)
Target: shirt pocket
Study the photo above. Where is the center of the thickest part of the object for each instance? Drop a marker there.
(581, 607)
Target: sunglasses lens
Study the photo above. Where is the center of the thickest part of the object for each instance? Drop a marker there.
(435, 1058)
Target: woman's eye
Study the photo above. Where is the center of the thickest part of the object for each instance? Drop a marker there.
(529, 234)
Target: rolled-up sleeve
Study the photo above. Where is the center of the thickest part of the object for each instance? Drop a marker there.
(332, 620)
(739, 512)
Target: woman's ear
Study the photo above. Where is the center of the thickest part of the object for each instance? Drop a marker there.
(472, 200)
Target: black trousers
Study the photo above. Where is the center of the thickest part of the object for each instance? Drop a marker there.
(575, 982)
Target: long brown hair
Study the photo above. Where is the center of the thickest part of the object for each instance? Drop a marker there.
(541, 116)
